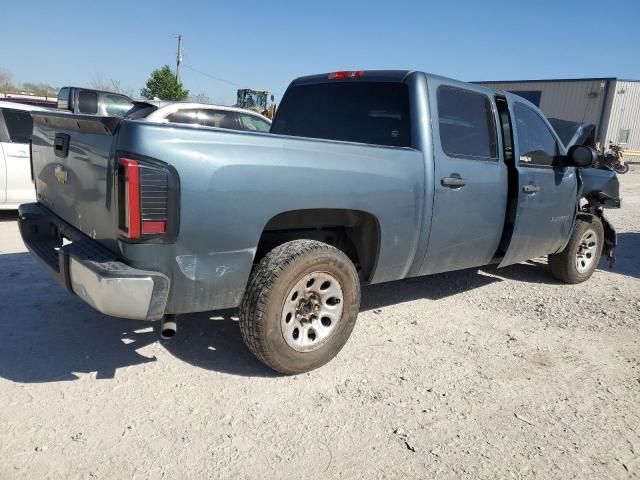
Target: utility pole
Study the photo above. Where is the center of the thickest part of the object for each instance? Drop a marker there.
(179, 59)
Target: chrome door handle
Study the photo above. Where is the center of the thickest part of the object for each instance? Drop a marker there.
(531, 188)
(453, 182)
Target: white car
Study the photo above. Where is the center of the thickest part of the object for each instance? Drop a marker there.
(16, 125)
(209, 116)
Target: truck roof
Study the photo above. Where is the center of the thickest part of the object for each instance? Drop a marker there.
(369, 75)
(382, 76)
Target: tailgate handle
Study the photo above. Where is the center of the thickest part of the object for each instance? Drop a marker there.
(61, 145)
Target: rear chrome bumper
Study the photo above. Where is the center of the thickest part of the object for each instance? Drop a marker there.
(86, 268)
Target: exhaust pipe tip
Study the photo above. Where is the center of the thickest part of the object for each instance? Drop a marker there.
(168, 327)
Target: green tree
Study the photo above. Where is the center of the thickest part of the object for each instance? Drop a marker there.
(162, 83)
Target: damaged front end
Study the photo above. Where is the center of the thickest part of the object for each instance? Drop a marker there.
(600, 189)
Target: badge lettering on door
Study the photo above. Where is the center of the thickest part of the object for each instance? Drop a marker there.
(560, 219)
(61, 174)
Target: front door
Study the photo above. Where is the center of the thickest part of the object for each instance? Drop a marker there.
(470, 178)
(547, 192)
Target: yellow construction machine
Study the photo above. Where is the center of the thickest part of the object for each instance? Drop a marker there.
(257, 100)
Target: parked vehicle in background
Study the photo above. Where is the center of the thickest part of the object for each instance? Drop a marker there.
(37, 101)
(206, 115)
(259, 101)
(93, 102)
(365, 177)
(16, 125)
(613, 158)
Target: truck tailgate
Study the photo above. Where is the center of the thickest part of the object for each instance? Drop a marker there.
(73, 165)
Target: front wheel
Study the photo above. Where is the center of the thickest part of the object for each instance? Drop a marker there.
(300, 306)
(622, 168)
(579, 259)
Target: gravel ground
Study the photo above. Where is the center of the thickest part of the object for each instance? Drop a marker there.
(483, 373)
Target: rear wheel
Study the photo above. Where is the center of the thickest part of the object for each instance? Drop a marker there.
(579, 259)
(300, 306)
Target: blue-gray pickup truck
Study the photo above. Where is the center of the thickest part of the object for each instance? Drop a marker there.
(365, 177)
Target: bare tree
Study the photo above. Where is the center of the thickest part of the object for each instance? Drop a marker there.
(6, 79)
(100, 83)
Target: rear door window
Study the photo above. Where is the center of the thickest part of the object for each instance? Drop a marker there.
(467, 125)
(537, 145)
(19, 124)
(253, 123)
(205, 117)
(354, 111)
(87, 102)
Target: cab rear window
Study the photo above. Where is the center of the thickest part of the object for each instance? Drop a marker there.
(365, 112)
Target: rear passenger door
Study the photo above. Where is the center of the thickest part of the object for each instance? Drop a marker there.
(547, 191)
(470, 179)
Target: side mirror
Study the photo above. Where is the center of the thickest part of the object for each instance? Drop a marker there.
(580, 156)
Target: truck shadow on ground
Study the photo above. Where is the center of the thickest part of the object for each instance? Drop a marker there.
(51, 336)
(628, 255)
(8, 215)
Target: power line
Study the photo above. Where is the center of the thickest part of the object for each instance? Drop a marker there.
(212, 76)
(221, 79)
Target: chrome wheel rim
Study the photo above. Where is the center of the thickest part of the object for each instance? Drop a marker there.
(312, 311)
(587, 251)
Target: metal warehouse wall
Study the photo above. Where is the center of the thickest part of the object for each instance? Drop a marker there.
(625, 113)
(577, 100)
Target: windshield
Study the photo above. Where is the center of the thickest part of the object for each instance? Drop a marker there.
(365, 112)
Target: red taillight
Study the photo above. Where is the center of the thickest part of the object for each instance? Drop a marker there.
(154, 227)
(130, 204)
(345, 75)
(147, 199)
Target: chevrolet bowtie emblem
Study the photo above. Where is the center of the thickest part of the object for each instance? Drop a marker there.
(61, 174)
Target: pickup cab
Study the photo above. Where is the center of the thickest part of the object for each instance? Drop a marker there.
(365, 177)
(93, 102)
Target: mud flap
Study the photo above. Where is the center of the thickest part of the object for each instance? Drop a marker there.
(610, 241)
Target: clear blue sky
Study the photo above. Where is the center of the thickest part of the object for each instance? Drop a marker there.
(266, 44)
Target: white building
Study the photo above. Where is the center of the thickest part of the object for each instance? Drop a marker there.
(611, 104)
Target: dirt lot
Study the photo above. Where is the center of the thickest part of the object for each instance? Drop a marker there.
(476, 374)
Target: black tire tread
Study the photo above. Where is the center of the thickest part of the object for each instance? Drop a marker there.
(261, 282)
(562, 264)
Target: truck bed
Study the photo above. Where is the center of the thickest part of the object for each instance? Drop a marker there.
(238, 180)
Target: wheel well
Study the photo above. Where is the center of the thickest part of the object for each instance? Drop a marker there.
(355, 232)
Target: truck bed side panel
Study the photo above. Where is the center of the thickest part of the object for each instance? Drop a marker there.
(233, 183)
